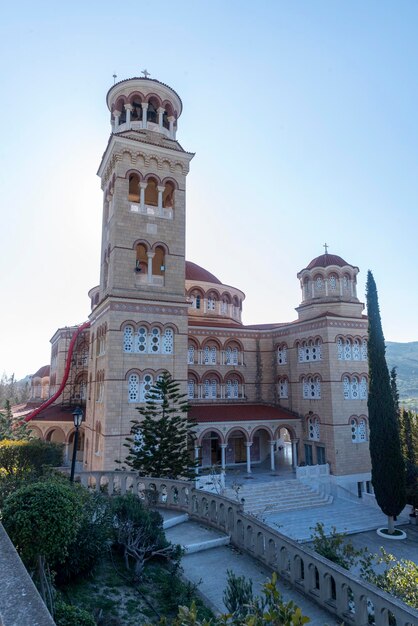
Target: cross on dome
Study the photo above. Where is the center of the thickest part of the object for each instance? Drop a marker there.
(326, 248)
(145, 73)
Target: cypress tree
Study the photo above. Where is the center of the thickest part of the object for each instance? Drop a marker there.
(388, 470)
(158, 442)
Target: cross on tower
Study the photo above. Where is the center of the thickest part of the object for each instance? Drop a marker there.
(326, 248)
(145, 73)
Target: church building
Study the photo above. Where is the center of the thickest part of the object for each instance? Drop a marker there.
(278, 395)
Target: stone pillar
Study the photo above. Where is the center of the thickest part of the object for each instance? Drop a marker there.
(150, 256)
(144, 114)
(326, 286)
(272, 464)
(160, 117)
(160, 189)
(223, 454)
(142, 187)
(171, 129)
(128, 109)
(248, 445)
(294, 454)
(116, 115)
(196, 457)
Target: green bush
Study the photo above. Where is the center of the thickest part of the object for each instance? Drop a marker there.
(42, 519)
(238, 593)
(68, 615)
(93, 537)
(20, 457)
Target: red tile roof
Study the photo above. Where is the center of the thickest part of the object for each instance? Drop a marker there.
(197, 273)
(42, 371)
(325, 260)
(238, 412)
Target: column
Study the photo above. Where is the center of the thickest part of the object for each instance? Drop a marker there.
(160, 189)
(294, 454)
(196, 457)
(248, 445)
(144, 114)
(326, 286)
(142, 187)
(223, 455)
(128, 109)
(116, 115)
(160, 117)
(150, 256)
(272, 464)
(171, 129)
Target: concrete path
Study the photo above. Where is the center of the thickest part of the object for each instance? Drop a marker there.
(208, 569)
(348, 516)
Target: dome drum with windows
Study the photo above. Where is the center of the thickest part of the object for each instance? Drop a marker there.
(327, 282)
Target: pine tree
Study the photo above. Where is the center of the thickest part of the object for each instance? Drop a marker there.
(10, 427)
(158, 442)
(388, 470)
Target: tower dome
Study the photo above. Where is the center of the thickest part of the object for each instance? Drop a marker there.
(329, 284)
(143, 103)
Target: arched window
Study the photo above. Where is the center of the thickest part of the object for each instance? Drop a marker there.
(347, 350)
(209, 355)
(283, 388)
(211, 388)
(211, 303)
(145, 387)
(190, 388)
(154, 341)
(364, 355)
(168, 341)
(346, 387)
(313, 428)
(97, 437)
(133, 388)
(355, 388)
(362, 430)
(354, 430)
(232, 389)
(340, 349)
(158, 262)
(141, 340)
(332, 284)
(190, 355)
(310, 351)
(224, 307)
(231, 356)
(319, 286)
(151, 192)
(311, 387)
(282, 355)
(152, 114)
(168, 196)
(356, 350)
(136, 112)
(133, 195)
(141, 259)
(363, 388)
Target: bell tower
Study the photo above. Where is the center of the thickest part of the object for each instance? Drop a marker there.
(139, 310)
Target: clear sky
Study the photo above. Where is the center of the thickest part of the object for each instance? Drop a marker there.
(303, 117)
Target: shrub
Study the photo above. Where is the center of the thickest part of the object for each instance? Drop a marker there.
(20, 457)
(238, 593)
(42, 520)
(93, 536)
(68, 615)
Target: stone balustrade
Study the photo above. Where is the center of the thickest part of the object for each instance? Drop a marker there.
(340, 592)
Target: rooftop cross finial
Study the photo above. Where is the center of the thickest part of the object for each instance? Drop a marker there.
(326, 248)
(114, 78)
(145, 73)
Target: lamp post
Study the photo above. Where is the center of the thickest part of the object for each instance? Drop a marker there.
(78, 418)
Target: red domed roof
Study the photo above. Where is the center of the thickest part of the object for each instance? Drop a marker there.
(42, 371)
(199, 274)
(325, 260)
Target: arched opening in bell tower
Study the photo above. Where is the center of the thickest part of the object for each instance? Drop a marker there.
(133, 188)
(141, 258)
(158, 262)
(151, 192)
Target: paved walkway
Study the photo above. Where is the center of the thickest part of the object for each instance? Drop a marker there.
(348, 516)
(208, 570)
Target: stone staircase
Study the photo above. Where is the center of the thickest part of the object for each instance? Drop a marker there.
(276, 497)
(190, 535)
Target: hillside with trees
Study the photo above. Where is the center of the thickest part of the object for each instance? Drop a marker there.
(404, 356)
